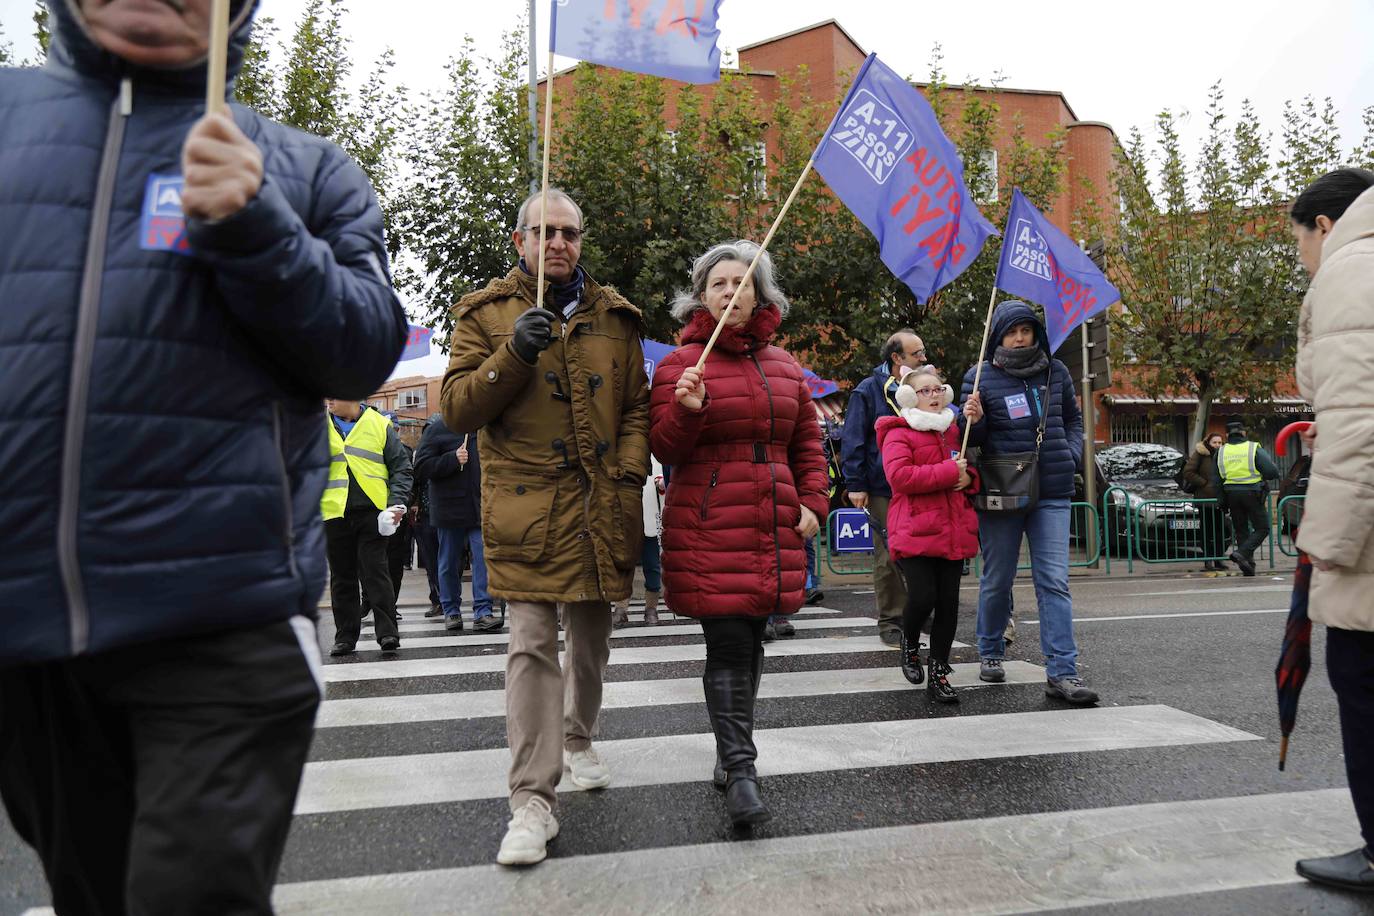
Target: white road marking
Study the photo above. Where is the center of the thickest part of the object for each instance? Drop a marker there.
(1282, 610)
(637, 655)
(477, 704)
(419, 779)
(1022, 863)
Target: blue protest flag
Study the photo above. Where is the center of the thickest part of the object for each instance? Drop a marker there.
(659, 37)
(1043, 265)
(417, 344)
(886, 157)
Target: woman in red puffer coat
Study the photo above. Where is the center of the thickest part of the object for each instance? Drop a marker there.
(931, 528)
(748, 486)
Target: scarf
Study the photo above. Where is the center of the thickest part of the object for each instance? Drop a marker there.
(936, 422)
(1021, 362)
(564, 295)
(755, 334)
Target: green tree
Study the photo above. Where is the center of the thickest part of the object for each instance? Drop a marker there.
(259, 77)
(6, 49)
(467, 167)
(1209, 280)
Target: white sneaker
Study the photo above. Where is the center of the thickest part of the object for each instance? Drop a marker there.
(531, 828)
(588, 772)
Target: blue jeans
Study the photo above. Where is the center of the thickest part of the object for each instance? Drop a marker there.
(1047, 527)
(653, 565)
(453, 543)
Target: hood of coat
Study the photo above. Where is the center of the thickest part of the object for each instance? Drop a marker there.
(755, 334)
(1356, 223)
(72, 47)
(1013, 312)
(1202, 449)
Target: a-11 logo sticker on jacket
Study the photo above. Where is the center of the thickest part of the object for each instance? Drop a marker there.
(163, 225)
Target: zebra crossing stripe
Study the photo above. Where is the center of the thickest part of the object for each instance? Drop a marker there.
(353, 784)
(480, 704)
(636, 655)
(1022, 863)
(456, 640)
(433, 623)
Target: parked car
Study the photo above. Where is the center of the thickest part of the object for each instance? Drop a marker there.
(1140, 483)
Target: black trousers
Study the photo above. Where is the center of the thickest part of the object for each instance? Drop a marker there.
(1212, 538)
(160, 778)
(427, 546)
(1350, 666)
(932, 587)
(357, 554)
(1249, 518)
(398, 555)
(731, 642)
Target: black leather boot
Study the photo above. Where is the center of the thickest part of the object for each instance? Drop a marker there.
(730, 703)
(911, 661)
(938, 685)
(756, 669)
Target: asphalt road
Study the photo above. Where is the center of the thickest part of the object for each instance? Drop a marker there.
(1164, 799)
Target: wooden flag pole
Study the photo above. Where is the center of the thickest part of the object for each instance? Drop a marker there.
(217, 61)
(978, 372)
(544, 183)
(749, 274)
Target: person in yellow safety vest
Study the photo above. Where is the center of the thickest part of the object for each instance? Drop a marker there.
(369, 471)
(1242, 469)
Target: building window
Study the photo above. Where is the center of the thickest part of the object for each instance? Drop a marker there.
(983, 180)
(411, 399)
(756, 168)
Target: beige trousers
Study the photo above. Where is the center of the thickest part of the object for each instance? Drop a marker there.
(889, 589)
(549, 708)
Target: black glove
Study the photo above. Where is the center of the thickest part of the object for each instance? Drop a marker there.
(533, 333)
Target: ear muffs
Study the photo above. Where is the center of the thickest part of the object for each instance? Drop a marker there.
(906, 396)
(948, 398)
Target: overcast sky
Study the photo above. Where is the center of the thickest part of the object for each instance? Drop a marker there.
(1115, 62)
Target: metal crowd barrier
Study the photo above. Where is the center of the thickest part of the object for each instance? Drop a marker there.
(1286, 519)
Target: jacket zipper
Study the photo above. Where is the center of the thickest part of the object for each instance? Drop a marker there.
(773, 477)
(706, 497)
(83, 349)
(290, 533)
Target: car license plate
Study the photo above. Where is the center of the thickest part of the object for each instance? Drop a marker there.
(1185, 524)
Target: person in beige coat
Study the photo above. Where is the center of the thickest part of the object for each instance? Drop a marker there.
(1333, 222)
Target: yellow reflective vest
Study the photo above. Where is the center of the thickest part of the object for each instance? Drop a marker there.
(363, 454)
(1236, 463)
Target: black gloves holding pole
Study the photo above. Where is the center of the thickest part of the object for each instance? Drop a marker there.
(533, 333)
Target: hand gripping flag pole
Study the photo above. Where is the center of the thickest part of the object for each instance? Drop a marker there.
(217, 61)
(978, 372)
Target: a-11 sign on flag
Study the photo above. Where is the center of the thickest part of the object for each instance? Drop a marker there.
(886, 157)
(1042, 264)
(675, 39)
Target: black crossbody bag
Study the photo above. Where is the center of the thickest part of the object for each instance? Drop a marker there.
(1010, 481)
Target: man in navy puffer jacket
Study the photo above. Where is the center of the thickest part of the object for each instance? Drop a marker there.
(180, 293)
(1021, 383)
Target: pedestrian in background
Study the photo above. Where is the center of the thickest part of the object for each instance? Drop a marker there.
(453, 469)
(1200, 480)
(862, 460)
(1026, 403)
(748, 489)
(369, 475)
(163, 555)
(1333, 221)
(1242, 472)
(650, 559)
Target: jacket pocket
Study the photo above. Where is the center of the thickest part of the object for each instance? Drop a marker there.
(628, 533)
(706, 493)
(515, 520)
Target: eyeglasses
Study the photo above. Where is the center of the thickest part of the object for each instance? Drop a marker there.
(569, 233)
(929, 392)
(921, 353)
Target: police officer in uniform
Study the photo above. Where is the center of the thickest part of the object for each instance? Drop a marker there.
(1242, 469)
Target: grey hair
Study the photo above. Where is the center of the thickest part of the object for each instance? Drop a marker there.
(765, 287)
(523, 213)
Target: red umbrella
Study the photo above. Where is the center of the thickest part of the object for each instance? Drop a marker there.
(1295, 658)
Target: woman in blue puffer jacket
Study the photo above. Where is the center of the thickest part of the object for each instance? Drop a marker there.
(1020, 384)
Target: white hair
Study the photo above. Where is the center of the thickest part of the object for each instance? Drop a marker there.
(765, 287)
(523, 213)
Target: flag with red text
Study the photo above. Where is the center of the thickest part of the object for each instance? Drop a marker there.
(886, 157)
(675, 39)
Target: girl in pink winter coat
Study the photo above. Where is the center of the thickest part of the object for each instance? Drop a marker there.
(931, 528)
